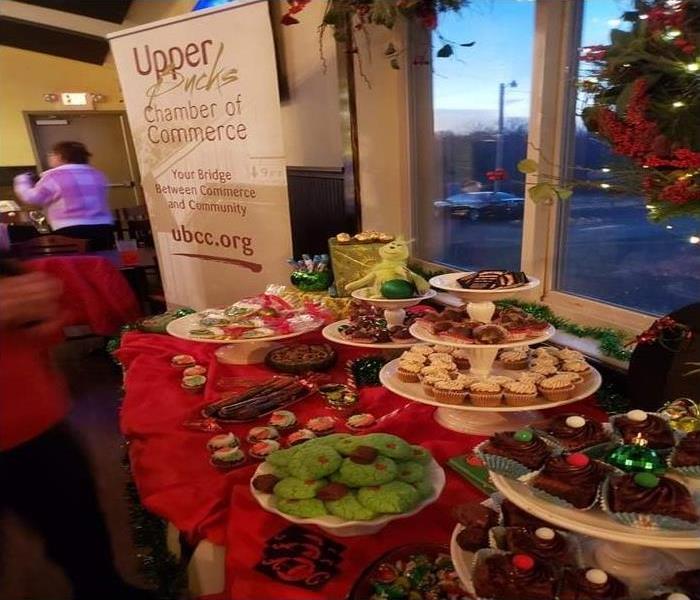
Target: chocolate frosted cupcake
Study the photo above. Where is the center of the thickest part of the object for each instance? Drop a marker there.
(644, 500)
(653, 428)
(685, 457)
(514, 453)
(591, 584)
(572, 480)
(576, 432)
(688, 582)
(543, 543)
(506, 575)
(477, 520)
(514, 516)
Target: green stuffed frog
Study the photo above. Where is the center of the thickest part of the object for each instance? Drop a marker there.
(386, 276)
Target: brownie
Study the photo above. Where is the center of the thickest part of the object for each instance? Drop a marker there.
(573, 477)
(476, 520)
(688, 582)
(543, 543)
(531, 453)
(514, 516)
(645, 493)
(591, 584)
(655, 430)
(687, 452)
(499, 576)
(575, 432)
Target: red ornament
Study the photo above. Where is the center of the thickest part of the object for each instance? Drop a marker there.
(578, 460)
(523, 562)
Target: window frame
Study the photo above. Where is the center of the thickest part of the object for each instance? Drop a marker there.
(550, 143)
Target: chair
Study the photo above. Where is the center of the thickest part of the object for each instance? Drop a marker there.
(49, 245)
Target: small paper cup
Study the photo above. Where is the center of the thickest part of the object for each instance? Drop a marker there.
(500, 464)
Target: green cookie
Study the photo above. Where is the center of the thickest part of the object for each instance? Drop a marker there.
(347, 445)
(382, 470)
(410, 472)
(388, 445)
(314, 462)
(395, 497)
(292, 488)
(309, 508)
(421, 455)
(424, 488)
(281, 458)
(349, 508)
(280, 472)
(331, 440)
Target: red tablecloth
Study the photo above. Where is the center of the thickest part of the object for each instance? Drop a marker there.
(95, 292)
(171, 468)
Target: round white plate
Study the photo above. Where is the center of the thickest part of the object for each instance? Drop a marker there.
(363, 294)
(332, 334)
(180, 328)
(414, 391)
(462, 561)
(448, 282)
(421, 333)
(595, 522)
(341, 527)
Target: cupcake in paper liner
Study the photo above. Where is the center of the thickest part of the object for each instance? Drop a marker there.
(514, 453)
(638, 424)
(569, 480)
(543, 543)
(685, 457)
(496, 573)
(646, 501)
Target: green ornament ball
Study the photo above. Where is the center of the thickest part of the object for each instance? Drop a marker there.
(397, 289)
(524, 435)
(633, 458)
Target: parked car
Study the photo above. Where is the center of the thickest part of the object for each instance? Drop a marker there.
(482, 205)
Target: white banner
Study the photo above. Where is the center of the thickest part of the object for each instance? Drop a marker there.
(202, 100)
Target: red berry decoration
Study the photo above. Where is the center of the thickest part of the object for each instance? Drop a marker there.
(385, 573)
(523, 562)
(578, 460)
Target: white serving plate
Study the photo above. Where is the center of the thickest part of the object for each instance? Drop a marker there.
(392, 303)
(332, 334)
(420, 332)
(414, 391)
(462, 561)
(448, 283)
(340, 527)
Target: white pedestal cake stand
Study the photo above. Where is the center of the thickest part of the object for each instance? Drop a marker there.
(480, 303)
(481, 420)
(332, 334)
(232, 351)
(394, 309)
(632, 554)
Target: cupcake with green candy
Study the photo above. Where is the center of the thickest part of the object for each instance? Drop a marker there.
(514, 453)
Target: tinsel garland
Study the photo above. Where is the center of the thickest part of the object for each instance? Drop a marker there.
(159, 566)
(610, 341)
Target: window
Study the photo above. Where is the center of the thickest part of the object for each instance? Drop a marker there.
(480, 108)
(609, 250)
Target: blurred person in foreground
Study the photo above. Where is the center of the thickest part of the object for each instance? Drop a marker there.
(45, 476)
(72, 194)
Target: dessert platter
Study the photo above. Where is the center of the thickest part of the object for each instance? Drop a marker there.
(521, 382)
(249, 328)
(348, 485)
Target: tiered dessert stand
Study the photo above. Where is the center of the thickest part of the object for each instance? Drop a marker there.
(394, 314)
(232, 351)
(641, 558)
(476, 419)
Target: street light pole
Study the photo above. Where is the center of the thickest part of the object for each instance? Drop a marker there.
(499, 135)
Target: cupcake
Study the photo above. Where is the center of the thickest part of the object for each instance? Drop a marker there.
(461, 358)
(321, 425)
(580, 367)
(182, 361)
(423, 349)
(411, 356)
(519, 393)
(477, 520)
(507, 575)
(645, 500)
(195, 370)
(224, 440)
(257, 434)
(544, 369)
(514, 360)
(685, 457)
(434, 370)
(466, 379)
(544, 543)
(437, 357)
(408, 372)
(282, 419)
(576, 432)
(227, 458)
(530, 376)
(574, 378)
(571, 480)
(500, 379)
(485, 393)
(262, 449)
(544, 351)
(555, 389)
(687, 581)
(566, 354)
(591, 584)
(449, 391)
(193, 383)
(360, 421)
(547, 360)
(300, 436)
(514, 453)
(653, 428)
(429, 382)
